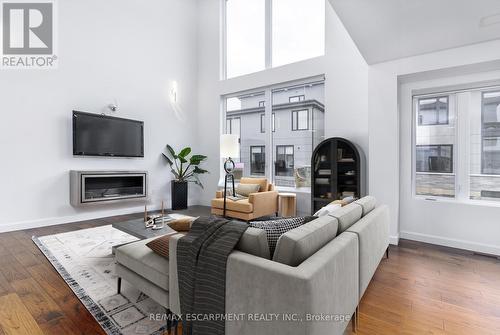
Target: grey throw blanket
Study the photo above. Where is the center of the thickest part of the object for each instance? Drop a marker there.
(201, 267)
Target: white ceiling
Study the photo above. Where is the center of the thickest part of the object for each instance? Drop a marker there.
(390, 29)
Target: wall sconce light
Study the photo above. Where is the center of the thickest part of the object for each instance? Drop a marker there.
(173, 92)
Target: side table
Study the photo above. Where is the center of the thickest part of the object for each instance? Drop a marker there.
(287, 204)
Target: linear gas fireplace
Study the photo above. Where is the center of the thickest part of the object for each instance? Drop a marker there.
(90, 187)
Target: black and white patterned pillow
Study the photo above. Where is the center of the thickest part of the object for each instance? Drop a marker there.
(275, 228)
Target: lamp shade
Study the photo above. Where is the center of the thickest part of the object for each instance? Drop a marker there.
(229, 146)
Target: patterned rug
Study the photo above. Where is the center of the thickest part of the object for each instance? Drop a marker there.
(84, 260)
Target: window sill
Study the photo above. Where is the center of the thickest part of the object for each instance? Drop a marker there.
(469, 202)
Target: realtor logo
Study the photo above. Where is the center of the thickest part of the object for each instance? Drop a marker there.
(28, 34)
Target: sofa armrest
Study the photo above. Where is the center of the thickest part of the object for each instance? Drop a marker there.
(373, 234)
(264, 203)
(173, 279)
(325, 284)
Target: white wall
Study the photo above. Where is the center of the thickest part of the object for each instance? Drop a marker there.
(459, 225)
(121, 49)
(346, 87)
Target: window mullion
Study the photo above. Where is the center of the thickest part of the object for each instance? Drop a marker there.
(462, 165)
(269, 34)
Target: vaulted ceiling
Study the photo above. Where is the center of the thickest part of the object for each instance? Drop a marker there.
(390, 29)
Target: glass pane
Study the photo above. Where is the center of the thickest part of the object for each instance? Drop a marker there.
(298, 30)
(302, 119)
(433, 111)
(245, 35)
(485, 145)
(257, 160)
(292, 150)
(435, 147)
(246, 122)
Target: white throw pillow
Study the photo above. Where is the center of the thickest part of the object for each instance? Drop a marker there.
(327, 210)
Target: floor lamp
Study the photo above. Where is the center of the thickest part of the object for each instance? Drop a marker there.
(229, 149)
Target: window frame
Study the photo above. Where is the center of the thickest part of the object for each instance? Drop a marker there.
(483, 135)
(262, 103)
(295, 119)
(263, 123)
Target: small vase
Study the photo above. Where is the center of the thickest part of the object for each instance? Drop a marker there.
(179, 194)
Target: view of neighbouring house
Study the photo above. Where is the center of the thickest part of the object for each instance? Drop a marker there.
(296, 121)
(450, 127)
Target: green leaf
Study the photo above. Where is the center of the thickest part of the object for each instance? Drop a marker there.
(168, 159)
(184, 152)
(197, 170)
(171, 151)
(197, 159)
(183, 160)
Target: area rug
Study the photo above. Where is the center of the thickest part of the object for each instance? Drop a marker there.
(84, 260)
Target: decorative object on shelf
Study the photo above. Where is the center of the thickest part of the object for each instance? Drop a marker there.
(339, 172)
(185, 170)
(229, 148)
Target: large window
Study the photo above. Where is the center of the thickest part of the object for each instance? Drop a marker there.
(257, 160)
(464, 125)
(282, 155)
(261, 34)
(245, 36)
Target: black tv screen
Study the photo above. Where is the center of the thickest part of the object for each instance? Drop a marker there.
(101, 135)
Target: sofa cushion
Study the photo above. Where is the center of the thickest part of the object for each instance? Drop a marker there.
(159, 245)
(246, 189)
(261, 181)
(242, 206)
(254, 242)
(367, 203)
(297, 245)
(347, 216)
(142, 260)
(275, 228)
(327, 209)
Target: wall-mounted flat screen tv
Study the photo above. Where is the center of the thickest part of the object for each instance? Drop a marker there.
(101, 135)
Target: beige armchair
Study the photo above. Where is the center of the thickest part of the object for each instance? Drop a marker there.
(262, 203)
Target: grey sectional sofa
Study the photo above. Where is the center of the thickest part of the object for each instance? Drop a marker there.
(312, 284)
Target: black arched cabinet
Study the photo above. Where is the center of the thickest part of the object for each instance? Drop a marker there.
(338, 171)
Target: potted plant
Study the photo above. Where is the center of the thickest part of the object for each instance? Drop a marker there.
(185, 169)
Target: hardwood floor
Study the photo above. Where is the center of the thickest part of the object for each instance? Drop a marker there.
(420, 289)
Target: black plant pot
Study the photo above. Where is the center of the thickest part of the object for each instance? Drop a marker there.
(179, 194)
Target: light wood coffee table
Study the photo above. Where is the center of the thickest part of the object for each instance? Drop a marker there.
(288, 204)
